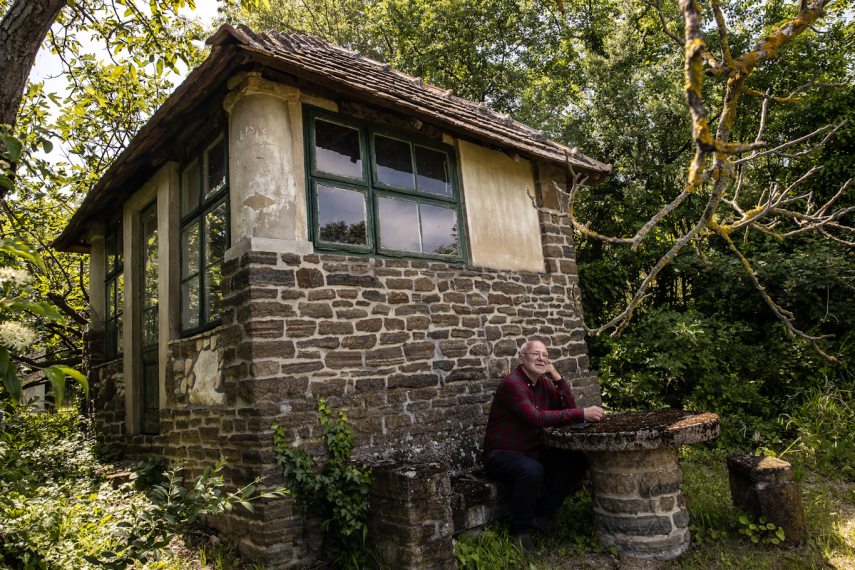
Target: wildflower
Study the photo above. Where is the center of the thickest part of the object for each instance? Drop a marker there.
(14, 276)
(16, 336)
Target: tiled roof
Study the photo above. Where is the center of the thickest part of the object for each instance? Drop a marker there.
(316, 59)
(316, 62)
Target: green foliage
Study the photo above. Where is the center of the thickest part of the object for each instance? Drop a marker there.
(824, 422)
(58, 511)
(489, 549)
(336, 492)
(760, 531)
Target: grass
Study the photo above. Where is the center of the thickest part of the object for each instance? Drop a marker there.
(714, 523)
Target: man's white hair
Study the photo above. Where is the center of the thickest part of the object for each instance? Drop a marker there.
(527, 345)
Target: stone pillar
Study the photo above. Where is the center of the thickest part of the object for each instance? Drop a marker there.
(266, 167)
(765, 487)
(638, 505)
(410, 521)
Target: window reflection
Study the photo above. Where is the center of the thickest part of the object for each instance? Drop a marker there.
(399, 224)
(215, 234)
(337, 150)
(394, 163)
(190, 303)
(341, 216)
(216, 168)
(439, 230)
(190, 188)
(190, 249)
(432, 168)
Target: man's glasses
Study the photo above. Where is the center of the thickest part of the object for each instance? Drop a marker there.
(536, 354)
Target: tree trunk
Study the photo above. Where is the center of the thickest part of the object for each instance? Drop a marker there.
(22, 32)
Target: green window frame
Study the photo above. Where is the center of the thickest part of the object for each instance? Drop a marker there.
(204, 238)
(114, 290)
(380, 191)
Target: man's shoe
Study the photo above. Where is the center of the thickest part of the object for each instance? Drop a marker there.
(526, 543)
(545, 524)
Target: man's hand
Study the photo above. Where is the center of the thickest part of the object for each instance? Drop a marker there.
(593, 413)
(552, 372)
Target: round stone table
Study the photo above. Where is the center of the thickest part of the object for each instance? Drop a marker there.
(638, 503)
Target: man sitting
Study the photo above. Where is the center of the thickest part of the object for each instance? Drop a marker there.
(531, 397)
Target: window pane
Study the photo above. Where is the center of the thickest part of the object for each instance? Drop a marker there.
(394, 164)
(149, 256)
(337, 150)
(341, 215)
(119, 334)
(439, 230)
(399, 224)
(111, 298)
(213, 291)
(190, 250)
(150, 326)
(120, 293)
(215, 235)
(190, 304)
(190, 185)
(432, 168)
(215, 168)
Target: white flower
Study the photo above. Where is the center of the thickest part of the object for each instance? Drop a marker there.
(16, 336)
(14, 276)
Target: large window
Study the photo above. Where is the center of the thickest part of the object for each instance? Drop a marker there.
(204, 235)
(376, 191)
(114, 287)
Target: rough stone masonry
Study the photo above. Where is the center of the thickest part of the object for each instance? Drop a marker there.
(411, 350)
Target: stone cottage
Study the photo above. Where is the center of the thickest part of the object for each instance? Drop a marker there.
(298, 221)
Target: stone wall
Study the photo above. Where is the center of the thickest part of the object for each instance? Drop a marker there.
(411, 350)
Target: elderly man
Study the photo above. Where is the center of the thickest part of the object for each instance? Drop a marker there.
(531, 397)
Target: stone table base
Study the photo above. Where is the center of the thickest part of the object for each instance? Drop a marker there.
(638, 505)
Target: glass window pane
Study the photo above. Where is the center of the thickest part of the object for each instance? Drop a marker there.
(149, 256)
(215, 168)
(439, 230)
(111, 298)
(190, 185)
(432, 168)
(119, 334)
(394, 163)
(341, 215)
(190, 250)
(120, 293)
(150, 326)
(190, 304)
(215, 234)
(399, 224)
(337, 150)
(213, 291)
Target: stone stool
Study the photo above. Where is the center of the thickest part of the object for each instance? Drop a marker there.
(764, 486)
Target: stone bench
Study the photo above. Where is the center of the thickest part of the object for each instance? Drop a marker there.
(764, 486)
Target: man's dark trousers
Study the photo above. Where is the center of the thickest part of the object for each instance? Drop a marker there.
(557, 472)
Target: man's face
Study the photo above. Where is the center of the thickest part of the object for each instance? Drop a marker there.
(535, 360)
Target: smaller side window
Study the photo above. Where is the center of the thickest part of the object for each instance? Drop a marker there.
(204, 235)
(114, 288)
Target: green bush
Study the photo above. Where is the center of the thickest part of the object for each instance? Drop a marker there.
(824, 422)
(57, 510)
(336, 492)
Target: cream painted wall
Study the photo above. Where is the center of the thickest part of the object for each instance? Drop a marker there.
(502, 223)
(266, 174)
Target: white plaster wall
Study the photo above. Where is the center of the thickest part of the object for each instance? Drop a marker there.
(266, 173)
(502, 223)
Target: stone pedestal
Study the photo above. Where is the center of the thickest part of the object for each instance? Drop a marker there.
(410, 521)
(765, 487)
(638, 505)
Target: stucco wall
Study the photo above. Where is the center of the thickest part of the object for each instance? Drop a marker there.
(503, 227)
